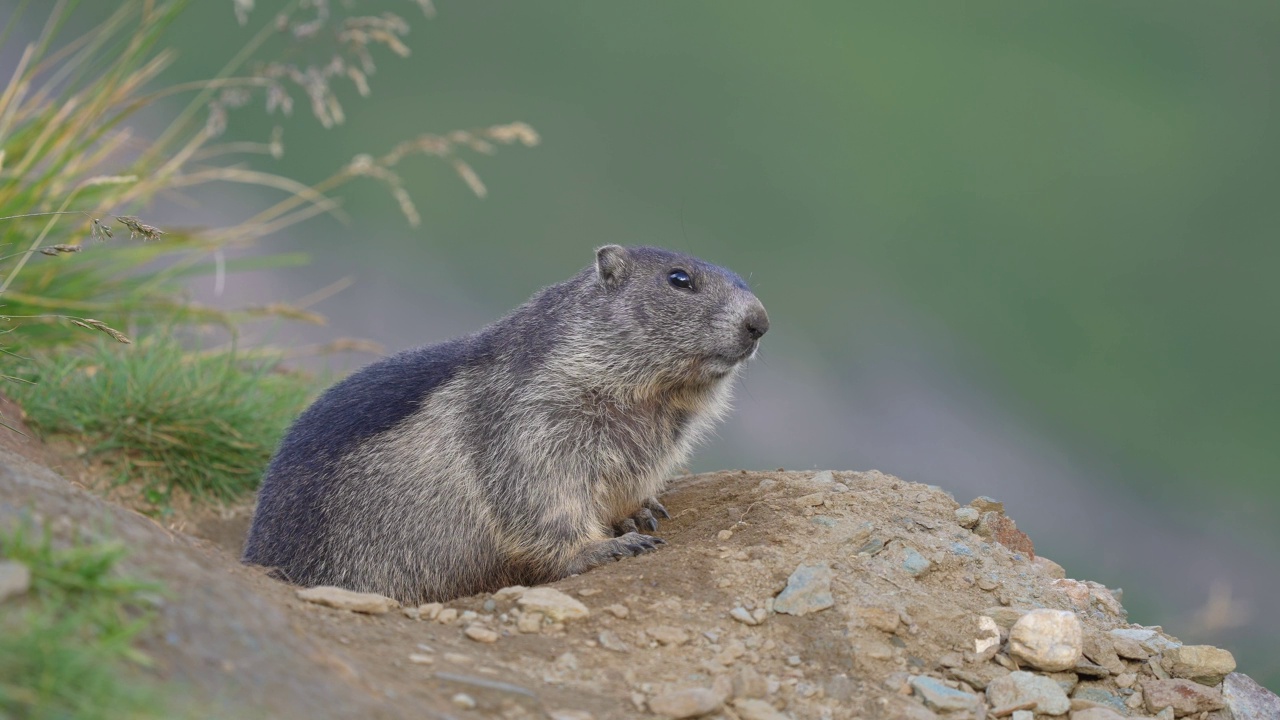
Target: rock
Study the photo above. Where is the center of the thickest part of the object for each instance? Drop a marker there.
(914, 563)
(749, 684)
(553, 604)
(1151, 641)
(812, 500)
(530, 622)
(901, 708)
(1077, 591)
(967, 517)
(1205, 664)
(1184, 696)
(749, 709)
(464, 701)
(1005, 617)
(1049, 640)
(447, 616)
(1066, 680)
(743, 616)
(1021, 687)
(937, 696)
(15, 579)
(686, 703)
(609, 640)
(988, 636)
(1099, 697)
(808, 590)
(978, 676)
(1003, 530)
(1248, 700)
(618, 610)
(570, 715)
(481, 634)
(335, 597)
(429, 611)
(881, 618)
(667, 635)
(1096, 713)
(983, 504)
(825, 477)
(1049, 568)
(511, 592)
(1099, 649)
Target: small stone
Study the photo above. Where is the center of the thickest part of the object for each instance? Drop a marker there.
(686, 703)
(530, 622)
(609, 640)
(1127, 647)
(988, 583)
(1165, 714)
(749, 709)
(1023, 715)
(1049, 568)
(749, 684)
(1184, 696)
(1005, 617)
(1205, 664)
(1099, 649)
(812, 500)
(988, 639)
(429, 611)
(1248, 700)
(481, 634)
(447, 616)
(939, 697)
(336, 597)
(1049, 640)
(759, 615)
(808, 590)
(588, 592)
(983, 504)
(421, 659)
(1096, 713)
(15, 579)
(571, 715)
(881, 618)
(1021, 687)
(1088, 669)
(1075, 590)
(724, 534)
(618, 610)
(1066, 680)
(743, 616)
(511, 592)
(553, 604)
(464, 701)
(411, 612)
(967, 517)
(914, 563)
(1099, 697)
(667, 635)
(824, 477)
(839, 488)
(1004, 530)
(1148, 638)
(902, 708)
(1126, 680)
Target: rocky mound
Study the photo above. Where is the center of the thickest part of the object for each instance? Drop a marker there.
(777, 595)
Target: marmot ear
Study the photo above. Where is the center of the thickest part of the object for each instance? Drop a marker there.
(612, 264)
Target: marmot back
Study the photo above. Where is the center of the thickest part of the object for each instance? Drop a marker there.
(520, 454)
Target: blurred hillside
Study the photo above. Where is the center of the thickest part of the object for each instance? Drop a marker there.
(1024, 249)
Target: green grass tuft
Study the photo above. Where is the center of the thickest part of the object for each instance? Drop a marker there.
(65, 644)
(206, 423)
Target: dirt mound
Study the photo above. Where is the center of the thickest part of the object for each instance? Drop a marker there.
(802, 595)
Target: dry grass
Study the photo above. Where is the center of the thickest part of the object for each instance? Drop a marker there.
(70, 162)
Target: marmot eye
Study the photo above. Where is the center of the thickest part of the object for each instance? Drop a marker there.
(680, 279)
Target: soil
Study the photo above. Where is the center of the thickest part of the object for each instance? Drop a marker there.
(909, 584)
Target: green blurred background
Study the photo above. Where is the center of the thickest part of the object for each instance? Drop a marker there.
(1022, 249)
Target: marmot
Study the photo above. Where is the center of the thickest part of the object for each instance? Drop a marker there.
(521, 454)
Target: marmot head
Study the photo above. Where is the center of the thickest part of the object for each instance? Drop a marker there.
(672, 318)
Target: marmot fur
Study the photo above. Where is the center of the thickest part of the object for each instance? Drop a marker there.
(520, 454)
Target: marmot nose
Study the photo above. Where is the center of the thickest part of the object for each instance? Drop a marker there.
(757, 323)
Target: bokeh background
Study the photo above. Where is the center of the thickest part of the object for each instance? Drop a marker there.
(1024, 249)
